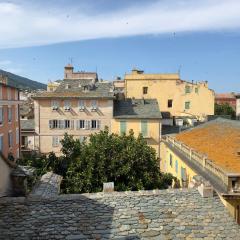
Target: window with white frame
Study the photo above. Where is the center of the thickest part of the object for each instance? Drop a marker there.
(9, 90)
(67, 105)
(94, 105)
(9, 114)
(81, 105)
(10, 139)
(17, 136)
(1, 115)
(55, 141)
(80, 124)
(61, 124)
(95, 124)
(1, 142)
(54, 104)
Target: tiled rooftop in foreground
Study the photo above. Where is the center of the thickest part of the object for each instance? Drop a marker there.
(164, 214)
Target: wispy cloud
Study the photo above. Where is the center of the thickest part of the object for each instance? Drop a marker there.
(31, 25)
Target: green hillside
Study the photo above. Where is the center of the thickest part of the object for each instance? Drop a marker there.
(22, 82)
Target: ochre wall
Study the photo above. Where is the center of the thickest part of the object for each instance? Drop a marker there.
(165, 164)
(154, 130)
(166, 87)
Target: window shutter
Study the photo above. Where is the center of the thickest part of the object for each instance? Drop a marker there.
(72, 124)
(98, 124)
(50, 124)
(87, 124)
(123, 127)
(144, 128)
(77, 124)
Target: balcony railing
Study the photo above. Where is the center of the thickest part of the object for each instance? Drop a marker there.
(202, 161)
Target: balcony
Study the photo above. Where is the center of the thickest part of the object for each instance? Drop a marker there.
(222, 180)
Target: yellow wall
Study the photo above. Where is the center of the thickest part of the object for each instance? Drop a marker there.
(169, 86)
(167, 168)
(154, 130)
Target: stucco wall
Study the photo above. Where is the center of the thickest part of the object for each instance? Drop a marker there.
(44, 113)
(154, 130)
(5, 181)
(166, 167)
(202, 102)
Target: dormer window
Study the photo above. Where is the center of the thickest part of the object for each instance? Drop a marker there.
(67, 105)
(94, 105)
(81, 105)
(67, 86)
(55, 105)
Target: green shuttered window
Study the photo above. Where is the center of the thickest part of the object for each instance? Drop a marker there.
(123, 127)
(144, 128)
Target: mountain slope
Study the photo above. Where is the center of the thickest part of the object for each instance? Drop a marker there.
(22, 82)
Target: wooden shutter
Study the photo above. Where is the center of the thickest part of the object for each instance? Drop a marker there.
(98, 124)
(123, 127)
(50, 124)
(72, 124)
(144, 128)
(87, 123)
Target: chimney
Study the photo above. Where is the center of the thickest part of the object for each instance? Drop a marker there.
(68, 71)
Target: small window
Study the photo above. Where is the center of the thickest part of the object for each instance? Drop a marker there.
(145, 90)
(9, 114)
(196, 90)
(67, 124)
(10, 139)
(1, 93)
(81, 124)
(170, 103)
(55, 105)
(183, 174)
(67, 105)
(55, 141)
(176, 166)
(81, 104)
(187, 89)
(95, 124)
(187, 105)
(1, 115)
(170, 160)
(94, 105)
(123, 127)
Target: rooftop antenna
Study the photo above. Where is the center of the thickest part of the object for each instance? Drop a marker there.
(179, 69)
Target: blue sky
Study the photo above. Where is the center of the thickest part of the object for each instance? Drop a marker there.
(200, 39)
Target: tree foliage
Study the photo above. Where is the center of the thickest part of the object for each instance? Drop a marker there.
(125, 160)
(224, 109)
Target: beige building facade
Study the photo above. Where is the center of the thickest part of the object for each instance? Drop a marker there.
(78, 106)
(177, 97)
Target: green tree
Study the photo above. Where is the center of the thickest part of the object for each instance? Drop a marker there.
(224, 109)
(127, 161)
